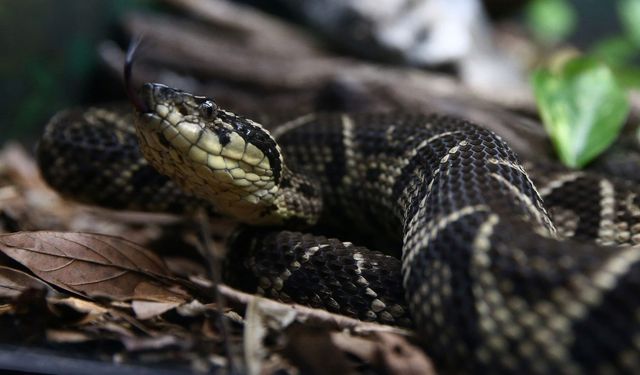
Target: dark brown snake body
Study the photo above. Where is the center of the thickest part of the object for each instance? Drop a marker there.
(491, 282)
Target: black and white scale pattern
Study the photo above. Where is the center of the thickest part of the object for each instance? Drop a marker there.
(491, 283)
(487, 279)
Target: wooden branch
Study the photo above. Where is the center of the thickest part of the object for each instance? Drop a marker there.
(259, 32)
(311, 315)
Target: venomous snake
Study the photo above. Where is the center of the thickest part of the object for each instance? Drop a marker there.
(491, 283)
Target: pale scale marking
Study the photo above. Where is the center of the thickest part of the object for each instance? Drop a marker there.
(519, 168)
(540, 217)
(497, 325)
(432, 229)
(617, 266)
(406, 159)
(442, 167)
(633, 209)
(348, 139)
(559, 182)
(606, 227)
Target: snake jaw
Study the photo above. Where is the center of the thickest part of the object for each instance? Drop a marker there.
(212, 153)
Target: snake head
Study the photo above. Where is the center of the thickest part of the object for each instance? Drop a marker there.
(226, 159)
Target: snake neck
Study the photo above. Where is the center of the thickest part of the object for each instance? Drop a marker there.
(299, 200)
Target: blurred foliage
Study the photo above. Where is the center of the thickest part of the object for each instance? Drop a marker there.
(629, 13)
(583, 102)
(582, 106)
(615, 51)
(550, 21)
(50, 58)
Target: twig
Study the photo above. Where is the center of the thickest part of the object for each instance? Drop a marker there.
(308, 314)
(213, 255)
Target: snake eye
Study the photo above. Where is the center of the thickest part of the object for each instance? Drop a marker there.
(208, 110)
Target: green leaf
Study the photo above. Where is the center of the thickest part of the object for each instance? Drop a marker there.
(583, 108)
(629, 13)
(551, 21)
(615, 51)
(628, 76)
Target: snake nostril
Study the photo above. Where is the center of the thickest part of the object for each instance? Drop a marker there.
(182, 109)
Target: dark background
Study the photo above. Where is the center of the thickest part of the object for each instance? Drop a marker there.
(49, 58)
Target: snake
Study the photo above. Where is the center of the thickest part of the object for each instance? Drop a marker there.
(498, 269)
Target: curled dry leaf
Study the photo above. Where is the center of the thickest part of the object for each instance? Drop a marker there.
(151, 343)
(386, 352)
(398, 356)
(150, 309)
(261, 318)
(313, 351)
(66, 336)
(82, 311)
(79, 305)
(14, 282)
(93, 265)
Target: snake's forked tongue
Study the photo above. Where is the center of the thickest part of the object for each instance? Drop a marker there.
(135, 99)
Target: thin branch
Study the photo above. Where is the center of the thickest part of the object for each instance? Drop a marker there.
(214, 254)
(308, 314)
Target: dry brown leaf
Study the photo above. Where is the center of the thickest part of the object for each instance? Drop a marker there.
(19, 166)
(94, 265)
(5, 308)
(185, 267)
(386, 352)
(67, 336)
(313, 351)
(398, 356)
(149, 309)
(86, 311)
(361, 347)
(79, 305)
(118, 329)
(193, 309)
(14, 282)
(153, 343)
(260, 319)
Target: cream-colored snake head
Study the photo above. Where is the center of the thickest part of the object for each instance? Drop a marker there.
(212, 153)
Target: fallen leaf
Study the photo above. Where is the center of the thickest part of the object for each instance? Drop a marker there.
(363, 348)
(259, 320)
(153, 343)
(159, 293)
(85, 311)
(398, 356)
(118, 329)
(192, 309)
(185, 267)
(313, 351)
(93, 265)
(67, 336)
(80, 305)
(14, 282)
(149, 309)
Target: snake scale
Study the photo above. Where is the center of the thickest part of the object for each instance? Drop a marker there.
(491, 283)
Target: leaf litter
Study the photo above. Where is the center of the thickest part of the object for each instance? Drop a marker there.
(71, 283)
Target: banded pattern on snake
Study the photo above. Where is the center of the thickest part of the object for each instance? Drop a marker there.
(491, 282)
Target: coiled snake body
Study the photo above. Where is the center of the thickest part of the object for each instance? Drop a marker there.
(490, 283)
